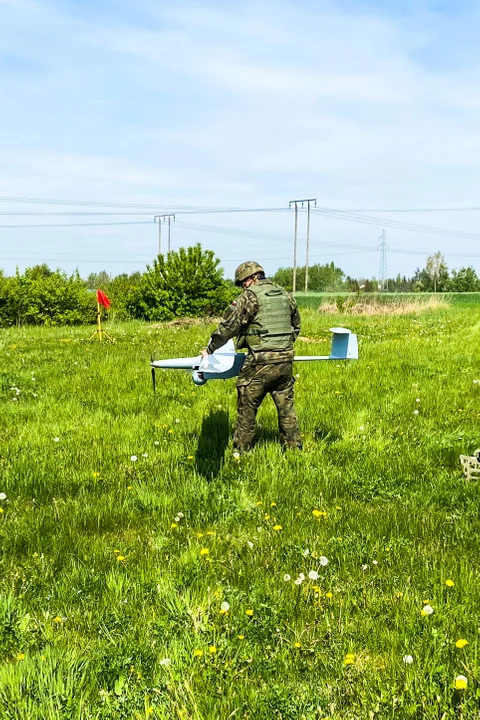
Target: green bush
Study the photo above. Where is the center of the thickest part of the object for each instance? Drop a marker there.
(187, 283)
(44, 297)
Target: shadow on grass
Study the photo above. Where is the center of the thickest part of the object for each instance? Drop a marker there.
(214, 437)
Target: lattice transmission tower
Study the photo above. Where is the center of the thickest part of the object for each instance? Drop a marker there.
(382, 276)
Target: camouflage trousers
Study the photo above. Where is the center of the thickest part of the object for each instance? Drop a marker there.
(253, 384)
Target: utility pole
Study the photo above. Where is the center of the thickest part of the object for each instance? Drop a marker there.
(159, 218)
(308, 241)
(383, 278)
(295, 204)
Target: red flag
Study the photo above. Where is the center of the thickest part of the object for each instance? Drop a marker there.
(102, 299)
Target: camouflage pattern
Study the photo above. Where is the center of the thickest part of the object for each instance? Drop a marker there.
(263, 373)
(246, 270)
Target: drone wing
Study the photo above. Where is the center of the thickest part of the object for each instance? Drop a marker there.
(220, 361)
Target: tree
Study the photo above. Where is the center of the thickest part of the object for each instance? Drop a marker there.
(187, 283)
(464, 279)
(436, 270)
(321, 277)
(98, 280)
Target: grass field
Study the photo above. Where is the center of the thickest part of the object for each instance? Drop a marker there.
(145, 573)
(312, 300)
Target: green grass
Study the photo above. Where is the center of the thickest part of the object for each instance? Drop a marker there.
(99, 583)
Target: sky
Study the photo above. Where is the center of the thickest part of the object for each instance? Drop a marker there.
(365, 105)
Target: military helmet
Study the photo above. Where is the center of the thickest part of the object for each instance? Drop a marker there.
(246, 270)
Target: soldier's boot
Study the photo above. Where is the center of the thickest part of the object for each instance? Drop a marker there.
(287, 420)
(249, 397)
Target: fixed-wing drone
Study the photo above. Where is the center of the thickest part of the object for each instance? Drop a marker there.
(226, 363)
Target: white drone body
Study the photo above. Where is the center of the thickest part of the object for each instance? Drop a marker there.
(226, 363)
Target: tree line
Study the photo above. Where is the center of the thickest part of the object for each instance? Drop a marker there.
(185, 283)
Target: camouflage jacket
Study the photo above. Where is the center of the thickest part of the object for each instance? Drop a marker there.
(238, 317)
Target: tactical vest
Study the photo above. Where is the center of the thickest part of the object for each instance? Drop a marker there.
(271, 330)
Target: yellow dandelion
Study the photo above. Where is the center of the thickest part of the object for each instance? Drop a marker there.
(173, 526)
(338, 507)
(170, 432)
(461, 643)
(129, 487)
(258, 503)
(117, 552)
(319, 513)
(21, 656)
(199, 535)
(212, 649)
(1, 511)
(349, 660)
(273, 504)
(121, 558)
(149, 710)
(399, 595)
(461, 682)
(241, 637)
(249, 613)
(297, 645)
(198, 653)
(449, 583)
(204, 551)
(267, 516)
(210, 532)
(95, 474)
(277, 528)
(57, 620)
(329, 595)
(190, 457)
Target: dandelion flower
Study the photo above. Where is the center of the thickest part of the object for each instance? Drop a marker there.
(224, 608)
(249, 613)
(364, 567)
(297, 645)
(173, 526)
(415, 412)
(170, 432)
(134, 458)
(319, 513)
(95, 474)
(374, 562)
(313, 575)
(156, 442)
(306, 552)
(58, 620)
(273, 504)
(427, 610)
(145, 455)
(212, 649)
(461, 682)
(241, 637)
(56, 439)
(236, 456)
(287, 577)
(349, 659)
(190, 457)
(329, 595)
(323, 560)
(177, 421)
(21, 656)
(165, 662)
(407, 659)
(449, 583)
(204, 551)
(3, 496)
(277, 528)
(120, 558)
(361, 428)
(198, 653)
(180, 515)
(461, 643)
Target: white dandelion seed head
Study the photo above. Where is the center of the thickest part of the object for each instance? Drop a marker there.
(415, 412)
(236, 456)
(417, 401)
(364, 567)
(427, 610)
(165, 662)
(224, 607)
(250, 544)
(177, 421)
(323, 560)
(134, 458)
(298, 581)
(313, 575)
(177, 519)
(301, 576)
(374, 562)
(180, 515)
(3, 496)
(56, 439)
(361, 428)
(156, 442)
(306, 552)
(145, 455)
(14, 399)
(407, 659)
(287, 577)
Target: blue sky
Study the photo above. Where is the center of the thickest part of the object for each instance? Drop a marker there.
(245, 104)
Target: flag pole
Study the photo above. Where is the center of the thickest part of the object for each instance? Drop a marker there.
(99, 332)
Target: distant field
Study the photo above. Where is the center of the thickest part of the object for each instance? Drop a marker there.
(146, 574)
(313, 300)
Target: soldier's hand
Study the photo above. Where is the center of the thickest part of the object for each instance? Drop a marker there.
(203, 352)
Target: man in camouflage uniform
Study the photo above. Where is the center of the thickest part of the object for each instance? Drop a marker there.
(266, 321)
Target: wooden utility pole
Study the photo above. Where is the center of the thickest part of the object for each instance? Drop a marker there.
(159, 218)
(308, 241)
(295, 204)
